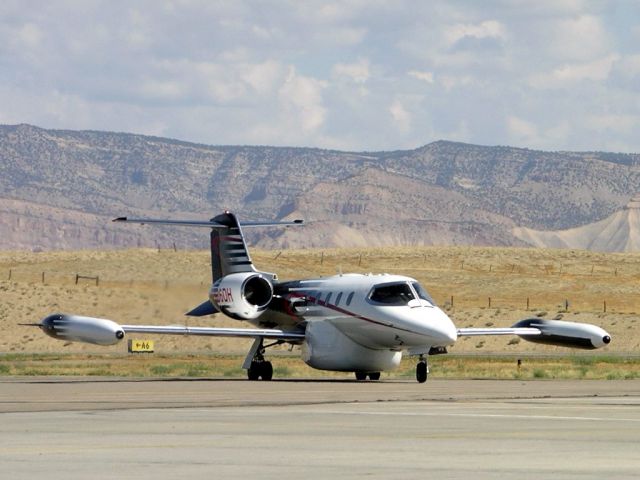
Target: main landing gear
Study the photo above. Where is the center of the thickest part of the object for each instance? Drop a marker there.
(259, 368)
(360, 376)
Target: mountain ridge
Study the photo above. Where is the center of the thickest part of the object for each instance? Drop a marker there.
(441, 193)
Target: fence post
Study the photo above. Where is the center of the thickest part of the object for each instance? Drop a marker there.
(604, 306)
(77, 278)
(10, 271)
(451, 301)
(489, 302)
(42, 277)
(527, 303)
(360, 260)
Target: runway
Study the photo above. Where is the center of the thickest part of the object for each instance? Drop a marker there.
(105, 428)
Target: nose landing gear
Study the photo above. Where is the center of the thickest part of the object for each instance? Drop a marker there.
(361, 376)
(422, 369)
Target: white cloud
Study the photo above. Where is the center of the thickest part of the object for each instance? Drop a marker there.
(546, 74)
(619, 123)
(424, 76)
(449, 82)
(401, 117)
(486, 29)
(357, 72)
(580, 38)
(29, 35)
(521, 131)
(566, 75)
(301, 100)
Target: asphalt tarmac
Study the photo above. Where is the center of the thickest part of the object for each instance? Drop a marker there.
(59, 428)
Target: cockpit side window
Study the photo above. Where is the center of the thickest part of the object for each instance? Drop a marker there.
(392, 294)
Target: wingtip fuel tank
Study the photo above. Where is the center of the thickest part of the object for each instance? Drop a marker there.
(76, 328)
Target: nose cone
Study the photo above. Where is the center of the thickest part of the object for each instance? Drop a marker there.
(435, 327)
(447, 330)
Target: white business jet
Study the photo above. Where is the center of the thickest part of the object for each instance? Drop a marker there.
(348, 323)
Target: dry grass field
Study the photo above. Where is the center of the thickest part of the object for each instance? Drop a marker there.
(477, 286)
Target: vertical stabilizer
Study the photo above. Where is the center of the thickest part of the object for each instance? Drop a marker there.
(229, 252)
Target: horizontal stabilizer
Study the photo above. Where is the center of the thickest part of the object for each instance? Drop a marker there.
(206, 223)
(205, 308)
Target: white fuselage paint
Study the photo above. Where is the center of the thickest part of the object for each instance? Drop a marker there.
(345, 302)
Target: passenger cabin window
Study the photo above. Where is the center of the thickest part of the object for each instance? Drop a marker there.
(338, 298)
(392, 294)
(349, 298)
(328, 299)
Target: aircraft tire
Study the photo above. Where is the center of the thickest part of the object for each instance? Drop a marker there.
(360, 376)
(421, 372)
(374, 376)
(266, 370)
(254, 371)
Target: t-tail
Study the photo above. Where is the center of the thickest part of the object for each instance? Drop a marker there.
(229, 253)
(239, 289)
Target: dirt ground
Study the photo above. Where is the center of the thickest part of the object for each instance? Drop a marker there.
(477, 286)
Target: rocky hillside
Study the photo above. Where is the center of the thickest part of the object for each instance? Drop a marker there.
(619, 232)
(58, 190)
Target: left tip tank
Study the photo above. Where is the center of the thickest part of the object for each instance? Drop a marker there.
(76, 328)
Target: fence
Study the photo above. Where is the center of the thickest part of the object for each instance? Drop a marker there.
(446, 293)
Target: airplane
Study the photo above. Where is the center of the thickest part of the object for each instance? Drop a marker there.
(361, 323)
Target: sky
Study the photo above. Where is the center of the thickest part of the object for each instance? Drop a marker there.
(360, 75)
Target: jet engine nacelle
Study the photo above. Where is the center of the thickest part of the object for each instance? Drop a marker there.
(243, 296)
(74, 328)
(327, 348)
(565, 334)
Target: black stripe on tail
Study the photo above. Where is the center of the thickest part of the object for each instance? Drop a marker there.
(229, 252)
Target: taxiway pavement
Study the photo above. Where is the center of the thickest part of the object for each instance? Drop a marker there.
(104, 428)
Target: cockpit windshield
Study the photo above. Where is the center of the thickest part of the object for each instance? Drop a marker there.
(392, 294)
(399, 294)
(422, 293)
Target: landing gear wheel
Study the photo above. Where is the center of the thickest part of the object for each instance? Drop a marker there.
(374, 376)
(263, 370)
(266, 370)
(360, 376)
(254, 371)
(421, 371)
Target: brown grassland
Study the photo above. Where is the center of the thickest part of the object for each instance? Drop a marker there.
(477, 287)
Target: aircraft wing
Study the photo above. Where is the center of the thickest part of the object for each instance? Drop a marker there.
(473, 332)
(102, 331)
(273, 334)
(549, 332)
